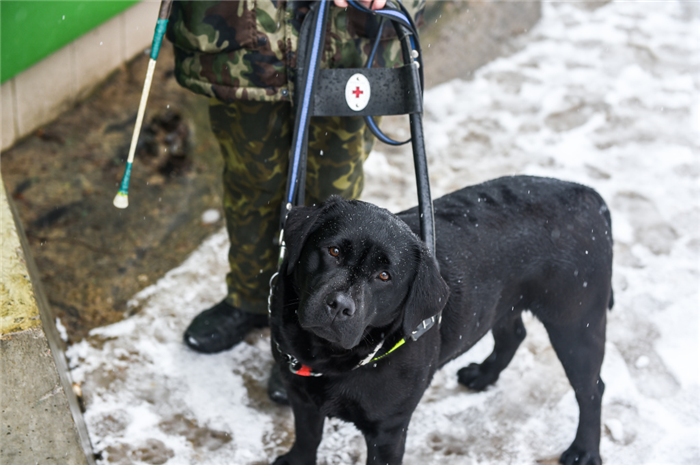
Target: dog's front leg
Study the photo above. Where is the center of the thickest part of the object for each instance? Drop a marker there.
(386, 445)
(308, 427)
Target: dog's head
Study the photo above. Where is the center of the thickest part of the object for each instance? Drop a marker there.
(358, 267)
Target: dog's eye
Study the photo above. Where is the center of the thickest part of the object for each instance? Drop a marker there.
(334, 251)
(384, 276)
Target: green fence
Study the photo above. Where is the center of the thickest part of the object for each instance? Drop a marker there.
(32, 30)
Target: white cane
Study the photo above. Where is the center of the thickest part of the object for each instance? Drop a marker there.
(121, 200)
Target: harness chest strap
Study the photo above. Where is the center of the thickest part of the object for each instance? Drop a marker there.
(371, 357)
(422, 328)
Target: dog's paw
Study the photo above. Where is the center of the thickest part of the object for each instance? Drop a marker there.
(475, 378)
(577, 456)
(281, 460)
(290, 458)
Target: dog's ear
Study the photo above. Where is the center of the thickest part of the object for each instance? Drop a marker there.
(301, 222)
(299, 225)
(427, 295)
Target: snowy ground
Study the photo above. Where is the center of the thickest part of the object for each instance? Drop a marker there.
(606, 97)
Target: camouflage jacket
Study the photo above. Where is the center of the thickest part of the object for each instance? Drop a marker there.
(246, 50)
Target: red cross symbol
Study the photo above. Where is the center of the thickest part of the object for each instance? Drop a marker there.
(357, 92)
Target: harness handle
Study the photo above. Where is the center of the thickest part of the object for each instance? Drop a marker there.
(311, 42)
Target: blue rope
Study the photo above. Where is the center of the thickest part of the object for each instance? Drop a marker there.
(369, 120)
(385, 12)
(380, 135)
(376, 44)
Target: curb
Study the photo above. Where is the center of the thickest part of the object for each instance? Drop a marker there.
(41, 417)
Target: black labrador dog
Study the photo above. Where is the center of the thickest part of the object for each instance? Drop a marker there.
(358, 286)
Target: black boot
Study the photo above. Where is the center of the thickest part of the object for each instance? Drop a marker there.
(221, 327)
(275, 389)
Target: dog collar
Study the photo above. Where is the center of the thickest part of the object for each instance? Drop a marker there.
(298, 368)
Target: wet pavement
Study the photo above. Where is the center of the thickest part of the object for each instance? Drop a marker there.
(92, 256)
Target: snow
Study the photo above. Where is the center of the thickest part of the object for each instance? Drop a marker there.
(607, 97)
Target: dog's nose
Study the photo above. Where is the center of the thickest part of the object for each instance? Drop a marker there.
(340, 305)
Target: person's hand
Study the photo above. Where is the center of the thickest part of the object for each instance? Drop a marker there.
(375, 5)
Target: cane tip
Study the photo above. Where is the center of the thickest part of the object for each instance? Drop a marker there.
(121, 200)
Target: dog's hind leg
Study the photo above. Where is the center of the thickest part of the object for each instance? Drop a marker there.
(507, 334)
(580, 347)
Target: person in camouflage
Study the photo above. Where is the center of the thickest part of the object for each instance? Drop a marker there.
(242, 54)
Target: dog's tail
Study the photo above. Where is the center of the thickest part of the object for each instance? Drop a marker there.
(605, 211)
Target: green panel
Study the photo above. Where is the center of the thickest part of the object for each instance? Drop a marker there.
(32, 30)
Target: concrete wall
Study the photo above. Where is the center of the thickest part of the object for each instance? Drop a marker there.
(39, 94)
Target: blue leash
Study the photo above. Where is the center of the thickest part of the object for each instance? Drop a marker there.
(306, 101)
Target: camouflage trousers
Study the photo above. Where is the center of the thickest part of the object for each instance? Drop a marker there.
(255, 140)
